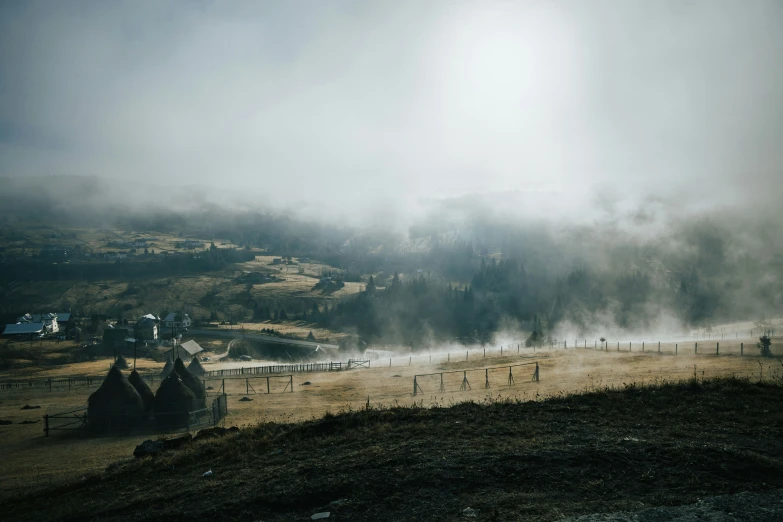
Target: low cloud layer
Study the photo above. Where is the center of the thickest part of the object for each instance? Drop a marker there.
(354, 109)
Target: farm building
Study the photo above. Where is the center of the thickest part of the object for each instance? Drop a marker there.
(188, 349)
(177, 320)
(23, 329)
(114, 337)
(34, 324)
(147, 328)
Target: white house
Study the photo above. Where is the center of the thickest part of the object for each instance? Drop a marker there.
(47, 321)
(177, 320)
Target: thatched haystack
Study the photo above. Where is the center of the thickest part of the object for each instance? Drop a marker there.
(192, 382)
(167, 369)
(121, 363)
(173, 402)
(143, 390)
(116, 405)
(195, 367)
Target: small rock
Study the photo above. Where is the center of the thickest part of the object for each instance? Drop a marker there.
(207, 473)
(338, 503)
(469, 512)
(30, 421)
(320, 516)
(148, 447)
(306, 383)
(28, 407)
(245, 399)
(4, 422)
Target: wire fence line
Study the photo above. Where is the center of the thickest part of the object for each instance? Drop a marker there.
(724, 347)
(465, 383)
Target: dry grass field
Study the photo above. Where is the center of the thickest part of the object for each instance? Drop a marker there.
(37, 461)
(221, 291)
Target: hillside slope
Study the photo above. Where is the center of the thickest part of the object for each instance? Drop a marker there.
(616, 450)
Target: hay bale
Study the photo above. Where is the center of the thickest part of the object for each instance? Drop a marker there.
(121, 363)
(192, 382)
(167, 369)
(116, 405)
(144, 391)
(195, 367)
(173, 402)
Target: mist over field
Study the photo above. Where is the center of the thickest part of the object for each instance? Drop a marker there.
(566, 168)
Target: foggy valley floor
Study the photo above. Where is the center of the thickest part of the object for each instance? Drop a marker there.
(611, 450)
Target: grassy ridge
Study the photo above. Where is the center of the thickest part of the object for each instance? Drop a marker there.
(603, 451)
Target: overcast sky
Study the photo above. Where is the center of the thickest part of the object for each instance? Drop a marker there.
(355, 105)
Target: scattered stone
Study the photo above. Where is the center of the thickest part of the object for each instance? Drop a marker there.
(338, 503)
(28, 407)
(306, 383)
(210, 433)
(153, 447)
(148, 447)
(4, 422)
(30, 421)
(210, 388)
(207, 474)
(320, 516)
(176, 442)
(245, 399)
(469, 513)
(396, 375)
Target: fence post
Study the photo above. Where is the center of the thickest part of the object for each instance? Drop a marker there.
(659, 346)
(501, 349)
(247, 386)
(717, 348)
(618, 346)
(486, 378)
(629, 346)
(510, 377)
(536, 374)
(414, 385)
(695, 348)
(449, 357)
(466, 355)
(46, 425)
(675, 349)
(442, 387)
(267, 385)
(291, 380)
(485, 352)
(742, 349)
(642, 345)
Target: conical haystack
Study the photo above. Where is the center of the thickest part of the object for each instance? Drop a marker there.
(143, 390)
(167, 369)
(195, 367)
(173, 402)
(192, 382)
(121, 363)
(116, 405)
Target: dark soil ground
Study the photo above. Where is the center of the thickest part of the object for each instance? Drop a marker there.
(606, 451)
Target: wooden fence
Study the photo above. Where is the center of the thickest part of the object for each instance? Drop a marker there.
(78, 419)
(465, 385)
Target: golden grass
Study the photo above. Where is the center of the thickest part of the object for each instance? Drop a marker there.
(34, 459)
